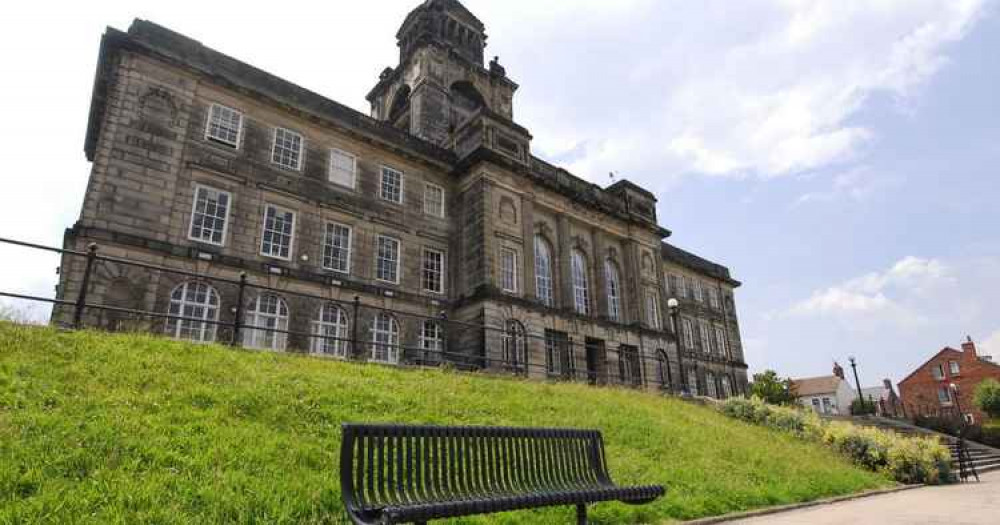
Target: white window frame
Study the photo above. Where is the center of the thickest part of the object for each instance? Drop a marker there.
(653, 310)
(391, 345)
(338, 328)
(261, 339)
(688, 328)
(706, 337)
(710, 387)
(327, 246)
(199, 331)
(218, 140)
(510, 255)
(938, 371)
(381, 184)
(399, 257)
(424, 270)
(432, 343)
(300, 154)
(225, 219)
(428, 186)
(953, 368)
(354, 168)
(720, 341)
(513, 345)
(613, 283)
(581, 282)
(544, 272)
(698, 296)
(291, 235)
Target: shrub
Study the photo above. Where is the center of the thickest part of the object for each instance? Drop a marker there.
(860, 408)
(987, 397)
(906, 459)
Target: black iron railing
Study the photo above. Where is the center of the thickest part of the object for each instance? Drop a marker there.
(631, 367)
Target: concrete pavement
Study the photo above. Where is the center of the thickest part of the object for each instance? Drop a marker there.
(959, 504)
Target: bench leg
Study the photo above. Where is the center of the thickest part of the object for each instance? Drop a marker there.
(581, 514)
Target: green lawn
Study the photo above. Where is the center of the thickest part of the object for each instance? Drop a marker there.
(98, 428)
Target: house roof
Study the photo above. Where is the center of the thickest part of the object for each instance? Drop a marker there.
(811, 386)
(696, 263)
(875, 392)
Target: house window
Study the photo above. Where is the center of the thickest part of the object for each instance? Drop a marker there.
(652, 310)
(432, 274)
(513, 345)
(266, 323)
(692, 382)
(433, 200)
(431, 341)
(816, 407)
(720, 342)
(343, 168)
(697, 291)
(558, 355)
(543, 272)
(827, 406)
(387, 259)
(710, 388)
(508, 270)
(706, 341)
(689, 287)
(198, 301)
(674, 285)
(385, 339)
(713, 297)
(581, 286)
(614, 290)
(727, 389)
(337, 248)
(279, 228)
(953, 368)
(287, 150)
(329, 330)
(391, 185)
(209, 215)
(224, 125)
(938, 372)
(688, 334)
(944, 395)
(628, 365)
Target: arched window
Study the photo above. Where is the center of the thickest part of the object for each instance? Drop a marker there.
(663, 370)
(514, 346)
(431, 342)
(581, 286)
(543, 271)
(268, 315)
(652, 310)
(710, 385)
(614, 290)
(628, 365)
(385, 339)
(197, 300)
(329, 330)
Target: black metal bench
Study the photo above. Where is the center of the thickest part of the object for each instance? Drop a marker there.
(403, 474)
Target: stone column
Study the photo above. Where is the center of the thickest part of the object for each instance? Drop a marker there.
(528, 245)
(564, 296)
(600, 285)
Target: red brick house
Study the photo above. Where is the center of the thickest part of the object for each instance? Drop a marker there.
(927, 391)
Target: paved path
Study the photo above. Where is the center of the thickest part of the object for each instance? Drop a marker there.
(970, 503)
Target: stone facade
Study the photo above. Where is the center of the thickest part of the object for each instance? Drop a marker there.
(177, 128)
(927, 390)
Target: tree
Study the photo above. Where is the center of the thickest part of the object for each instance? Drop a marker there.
(772, 389)
(987, 397)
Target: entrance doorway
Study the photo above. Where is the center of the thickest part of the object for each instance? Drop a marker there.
(596, 361)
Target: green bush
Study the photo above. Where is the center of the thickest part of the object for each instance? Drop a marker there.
(860, 408)
(907, 459)
(987, 397)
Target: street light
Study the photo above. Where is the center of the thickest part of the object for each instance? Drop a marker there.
(854, 366)
(673, 306)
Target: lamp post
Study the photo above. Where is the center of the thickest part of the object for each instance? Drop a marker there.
(673, 306)
(854, 367)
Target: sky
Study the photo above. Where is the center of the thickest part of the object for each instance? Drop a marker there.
(838, 156)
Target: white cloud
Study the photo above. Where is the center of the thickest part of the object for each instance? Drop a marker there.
(879, 297)
(765, 88)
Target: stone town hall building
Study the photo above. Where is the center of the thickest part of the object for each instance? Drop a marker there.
(431, 207)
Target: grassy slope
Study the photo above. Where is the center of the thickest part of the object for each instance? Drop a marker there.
(129, 428)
